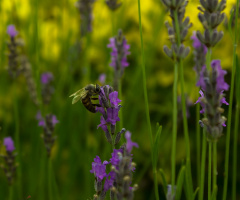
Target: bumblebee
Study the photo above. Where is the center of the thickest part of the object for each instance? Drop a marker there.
(85, 96)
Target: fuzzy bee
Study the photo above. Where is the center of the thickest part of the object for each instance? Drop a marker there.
(85, 96)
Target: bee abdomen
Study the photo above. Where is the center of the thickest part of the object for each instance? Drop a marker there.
(88, 104)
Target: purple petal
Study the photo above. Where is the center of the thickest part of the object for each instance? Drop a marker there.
(113, 97)
(130, 144)
(11, 31)
(9, 144)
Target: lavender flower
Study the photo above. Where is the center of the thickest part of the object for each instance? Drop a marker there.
(48, 124)
(109, 108)
(9, 166)
(113, 4)
(13, 46)
(170, 195)
(210, 16)
(129, 144)
(85, 10)
(47, 88)
(9, 144)
(120, 50)
(119, 179)
(177, 51)
(200, 51)
(102, 78)
(212, 98)
(11, 31)
(99, 168)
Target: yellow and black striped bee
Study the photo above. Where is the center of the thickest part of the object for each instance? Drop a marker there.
(85, 96)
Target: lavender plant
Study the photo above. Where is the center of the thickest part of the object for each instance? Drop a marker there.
(47, 88)
(212, 98)
(18, 62)
(120, 50)
(48, 124)
(213, 85)
(113, 4)
(119, 179)
(85, 10)
(177, 33)
(9, 167)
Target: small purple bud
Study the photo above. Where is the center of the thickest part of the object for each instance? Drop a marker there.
(9, 144)
(46, 77)
(102, 78)
(11, 31)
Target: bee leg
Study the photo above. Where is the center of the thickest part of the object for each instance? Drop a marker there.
(94, 98)
(98, 105)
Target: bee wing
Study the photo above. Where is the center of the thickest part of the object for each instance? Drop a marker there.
(79, 95)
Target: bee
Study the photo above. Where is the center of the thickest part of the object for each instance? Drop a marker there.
(85, 96)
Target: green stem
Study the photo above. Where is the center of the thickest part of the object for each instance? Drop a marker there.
(209, 169)
(208, 59)
(17, 140)
(229, 121)
(230, 105)
(174, 137)
(120, 97)
(203, 161)
(215, 168)
(198, 138)
(185, 123)
(234, 172)
(10, 192)
(146, 97)
(50, 191)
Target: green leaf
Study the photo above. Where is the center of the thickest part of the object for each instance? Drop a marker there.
(195, 193)
(230, 23)
(156, 145)
(180, 180)
(237, 80)
(164, 181)
(214, 194)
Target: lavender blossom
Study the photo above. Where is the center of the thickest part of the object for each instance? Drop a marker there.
(212, 98)
(13, 46)
(102, 78)
(9, 144)
(48, 124)
(9, 166)
(113, 4)
(85, 10)
(11, 31)
(109, 108)
(200, 51)
(177, 51)
(120, 50)
(47, 88)
(119, 179)
(211, 17)
(170, 195)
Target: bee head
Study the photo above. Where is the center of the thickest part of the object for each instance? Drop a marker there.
(97, 89)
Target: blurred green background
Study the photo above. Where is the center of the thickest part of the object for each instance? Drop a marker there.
(51, 31)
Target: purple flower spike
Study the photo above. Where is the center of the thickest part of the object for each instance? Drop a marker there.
(54, 120)
(109, 182)
(130, 144)
(197, 44)
(9, 144)
(41, 120)
(201, 82)
(114, 99)
(99, 168)
(115, 157)
(221, 84)
(103, 124)
(112, 114)
(46, 78)
(11, 31)
(201, 102)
